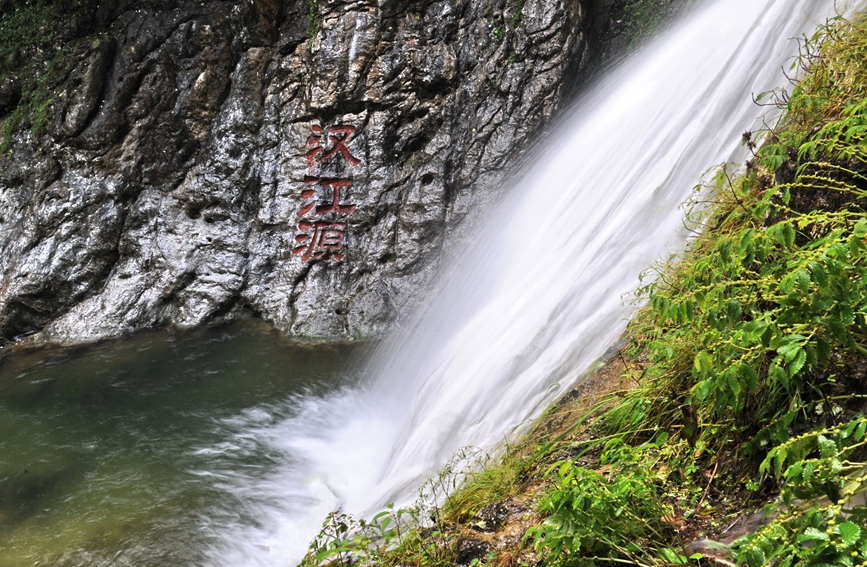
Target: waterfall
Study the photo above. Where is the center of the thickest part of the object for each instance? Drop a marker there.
(538, 293)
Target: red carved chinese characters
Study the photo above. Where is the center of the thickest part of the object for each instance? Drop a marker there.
(340, 144)
(327, 238)
(323, 238)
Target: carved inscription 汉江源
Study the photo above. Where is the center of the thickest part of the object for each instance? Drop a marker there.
(322, 221)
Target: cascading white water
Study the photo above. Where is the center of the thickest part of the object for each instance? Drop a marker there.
(537, 295)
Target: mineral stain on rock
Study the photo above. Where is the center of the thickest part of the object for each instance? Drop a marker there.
(165, 186)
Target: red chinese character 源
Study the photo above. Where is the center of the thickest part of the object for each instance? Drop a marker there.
(327, 239)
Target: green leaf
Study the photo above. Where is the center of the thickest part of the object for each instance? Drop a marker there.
(703, 363)
(813, 534)
(787, 235)
(794, 471)
(750, 377)
(725, 251)
(777, 374)
(788, 283)
(733, 310)
(704, 390)
(755, 557)
(804, 281)
(850, 533)
(797, 364)
(820, 276)
(734, 385)
(789, 352)
(827, 447)
(781, 453)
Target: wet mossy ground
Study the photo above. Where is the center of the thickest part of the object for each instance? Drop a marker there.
(38, 39)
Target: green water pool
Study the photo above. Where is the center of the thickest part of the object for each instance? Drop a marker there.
(114, 454)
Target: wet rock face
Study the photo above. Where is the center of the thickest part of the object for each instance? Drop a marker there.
(220, 159)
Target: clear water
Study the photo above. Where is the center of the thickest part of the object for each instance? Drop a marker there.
(117, 454)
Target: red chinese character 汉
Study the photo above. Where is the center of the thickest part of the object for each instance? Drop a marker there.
(327, 239)
(314, 145)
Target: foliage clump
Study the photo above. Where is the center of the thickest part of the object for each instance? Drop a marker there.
(756, 341)
(636, 21)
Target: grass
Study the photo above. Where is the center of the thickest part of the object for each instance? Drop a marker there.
(314, 15)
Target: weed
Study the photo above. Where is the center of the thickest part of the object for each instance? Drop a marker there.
(315, 24)
(638, 20)
(816, 523)
(519, 14)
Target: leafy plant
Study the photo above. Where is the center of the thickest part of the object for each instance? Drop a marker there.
(771, 298)
(638, 20)
(616, 514)
(30, 45)
(815, 523)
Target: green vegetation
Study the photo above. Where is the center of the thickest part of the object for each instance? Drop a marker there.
(30, 47)
(25, 27)
(35, 103)
(756, 336)
(749, 373)
(315, 24)
(505, 24)
(638, 20)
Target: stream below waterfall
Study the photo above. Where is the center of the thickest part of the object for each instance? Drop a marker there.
(116, 454)
(228, 446)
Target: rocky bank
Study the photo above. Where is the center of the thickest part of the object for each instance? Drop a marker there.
(304, 161)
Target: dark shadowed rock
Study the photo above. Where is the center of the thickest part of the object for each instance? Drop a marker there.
(469, 549)
(491, 518)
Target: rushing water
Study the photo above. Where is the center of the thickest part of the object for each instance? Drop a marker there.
(229, 446)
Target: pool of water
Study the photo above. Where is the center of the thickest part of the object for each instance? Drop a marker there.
(118, 454)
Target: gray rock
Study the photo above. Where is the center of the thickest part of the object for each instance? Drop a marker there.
(167, 188)
(469, 549)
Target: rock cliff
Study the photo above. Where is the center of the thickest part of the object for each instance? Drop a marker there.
(300, 161)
